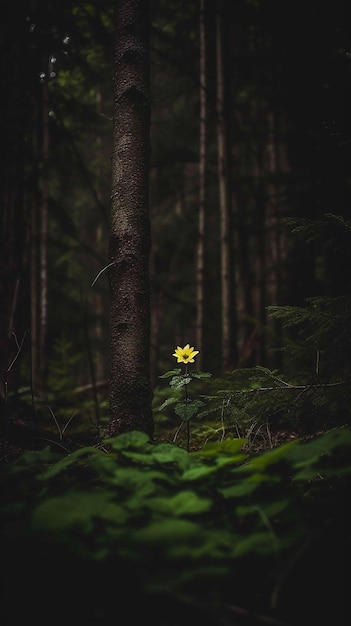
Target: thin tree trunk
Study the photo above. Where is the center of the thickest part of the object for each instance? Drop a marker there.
(271, 215)
(98, 330)
(44, 242)
(260, 265)
(130, 392)
(224, 199)
(97, 301)
(200, 251)
(34, 290)
(14, 111)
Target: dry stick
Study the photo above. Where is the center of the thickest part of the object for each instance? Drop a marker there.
(56, 443)
(101, 272)
(290, 387)
(19, 348)
(62, 430)
(178, 431)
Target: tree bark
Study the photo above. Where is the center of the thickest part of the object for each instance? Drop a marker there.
(130, 392)
(200, 250)
(226, 267)
(44, 225)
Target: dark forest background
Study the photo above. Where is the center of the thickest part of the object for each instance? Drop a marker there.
(285, 124)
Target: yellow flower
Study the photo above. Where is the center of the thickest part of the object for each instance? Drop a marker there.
(186, 354)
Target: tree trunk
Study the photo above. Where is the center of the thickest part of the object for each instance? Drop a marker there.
(227, 282)
(43, 326)
(14, 110)
(130, 392)
(200, 251)
(97, 299)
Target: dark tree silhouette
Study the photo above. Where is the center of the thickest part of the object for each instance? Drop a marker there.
(14, 113)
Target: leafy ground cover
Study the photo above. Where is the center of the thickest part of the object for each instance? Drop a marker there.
(126, 528)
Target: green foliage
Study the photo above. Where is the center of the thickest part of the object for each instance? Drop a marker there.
(312, 392)
(62, 365)
(264, 406)
(65, 409)
(204, 530)
(322, 325)
(313, 229)
(187, 408)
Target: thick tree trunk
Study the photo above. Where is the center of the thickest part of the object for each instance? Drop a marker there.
(130, 392)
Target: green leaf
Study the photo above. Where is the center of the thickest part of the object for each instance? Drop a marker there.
(227, 447)
(267, 459)
(199, 374)
(259, 542)
(138, 481)
(183, 503)
(77, 510)
(318, 458)
(133, 439)
(166, 453)
(312, 451)
(179, 381)
(268, 510)
(199, 472)
(171, 373)
(186, 410)
(38, 457)
(69, 460)
(240, 489)
(168, 532)
(167, 403)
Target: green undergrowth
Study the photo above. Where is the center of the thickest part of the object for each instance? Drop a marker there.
(216, 536)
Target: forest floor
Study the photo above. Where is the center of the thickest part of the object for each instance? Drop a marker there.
(19, 438)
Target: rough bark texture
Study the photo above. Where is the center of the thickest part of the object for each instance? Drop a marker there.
(130, 392)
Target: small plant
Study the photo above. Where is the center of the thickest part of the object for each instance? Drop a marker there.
(187, 408)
